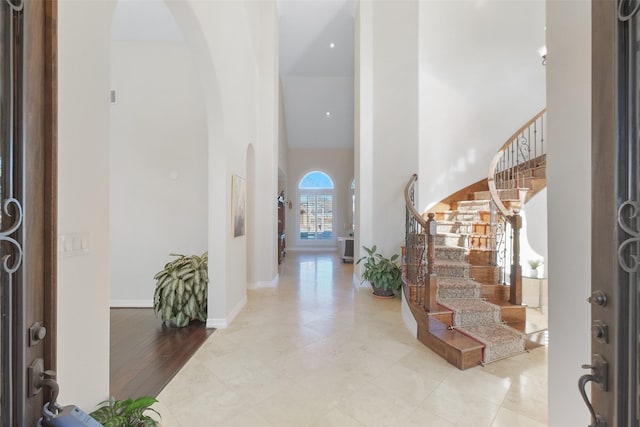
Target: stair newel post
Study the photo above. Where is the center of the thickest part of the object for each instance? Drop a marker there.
(515, 290)
(432, 278)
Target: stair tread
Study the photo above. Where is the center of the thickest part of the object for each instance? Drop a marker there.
(455, 222)
(468, 211)
(459, 248)
(450, 262)
(454, 338)
(450, 234)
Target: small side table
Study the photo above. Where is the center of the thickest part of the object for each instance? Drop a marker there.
(540, 281)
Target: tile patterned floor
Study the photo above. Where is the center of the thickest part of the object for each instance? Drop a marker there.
(319, 350)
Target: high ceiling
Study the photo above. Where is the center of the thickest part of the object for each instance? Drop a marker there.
(316, 70)
(316, 78)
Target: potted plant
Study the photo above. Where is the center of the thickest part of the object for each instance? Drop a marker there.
(181, 290)
(126, 413)
(384, 274)
(534, 264)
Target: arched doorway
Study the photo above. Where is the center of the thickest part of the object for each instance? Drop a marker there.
(158, 144)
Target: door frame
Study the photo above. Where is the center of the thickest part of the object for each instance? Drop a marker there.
(31, 172)
(615, 209)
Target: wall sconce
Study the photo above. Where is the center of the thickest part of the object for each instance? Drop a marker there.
(542, 51)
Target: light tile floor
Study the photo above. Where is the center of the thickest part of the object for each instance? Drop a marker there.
(319, 350)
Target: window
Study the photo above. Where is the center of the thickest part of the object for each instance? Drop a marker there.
(316, 206)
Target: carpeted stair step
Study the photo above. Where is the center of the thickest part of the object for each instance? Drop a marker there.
(447, 268)
(471, 312)
(467, 216)
(449, 288)
(473, 205)
(500, 340)
(451, 253)
(451, 239)
(460, 227)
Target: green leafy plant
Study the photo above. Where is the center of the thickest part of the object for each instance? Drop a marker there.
(181, 290)
(535, 263)
(126, 413)
(382, 273)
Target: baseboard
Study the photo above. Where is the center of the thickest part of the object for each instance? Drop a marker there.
(226, 321)
(265, 283)
(131, 303)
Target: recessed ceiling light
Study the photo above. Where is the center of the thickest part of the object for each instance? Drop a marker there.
(328, 114)
(332, 45)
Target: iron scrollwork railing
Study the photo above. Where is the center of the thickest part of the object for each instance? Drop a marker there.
(512, 176)
(11, 258)
(419, 253)
(517, 164)
(415, 239)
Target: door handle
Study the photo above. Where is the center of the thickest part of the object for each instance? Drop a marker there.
(600, 375)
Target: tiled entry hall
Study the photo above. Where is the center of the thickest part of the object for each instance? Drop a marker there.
(319, 350)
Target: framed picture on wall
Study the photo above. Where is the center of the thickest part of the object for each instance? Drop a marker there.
(238, 205)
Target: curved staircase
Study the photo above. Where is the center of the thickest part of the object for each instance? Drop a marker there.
(455, 269)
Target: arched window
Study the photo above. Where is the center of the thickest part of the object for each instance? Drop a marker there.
(316, 206)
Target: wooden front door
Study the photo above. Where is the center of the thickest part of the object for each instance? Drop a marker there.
(613, 371)
(28, 202)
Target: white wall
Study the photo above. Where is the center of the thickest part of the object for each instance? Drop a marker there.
(534, 244)
(158, 163)
(481, 78)
(83, 200)
(240, 83)
(268, 147)
(568, 190)
(363, 124)
(386, 119)
(338, 164)
(222, 41)
(283, 142)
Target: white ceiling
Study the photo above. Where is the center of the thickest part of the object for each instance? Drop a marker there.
(316, 78)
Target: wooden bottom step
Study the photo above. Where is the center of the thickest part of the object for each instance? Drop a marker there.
(453, 346)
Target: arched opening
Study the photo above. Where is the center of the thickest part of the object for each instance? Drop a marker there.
(316, 206)
(158, 144)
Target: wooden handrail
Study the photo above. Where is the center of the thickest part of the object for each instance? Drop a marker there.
(407, 199)
(522, 128)
(494, 164)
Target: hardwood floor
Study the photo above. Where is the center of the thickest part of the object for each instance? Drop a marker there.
(145, 355)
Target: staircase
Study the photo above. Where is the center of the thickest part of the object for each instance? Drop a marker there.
(471, 300)
(458, 280)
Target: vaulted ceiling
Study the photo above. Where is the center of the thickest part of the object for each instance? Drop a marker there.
(316, 70)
